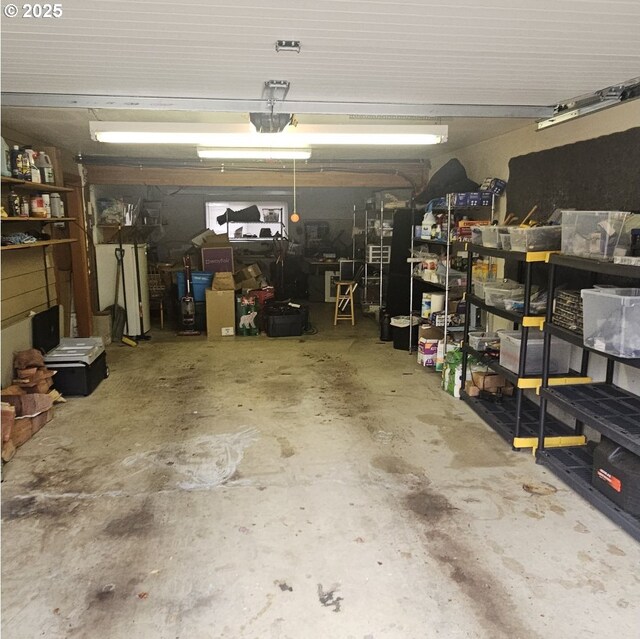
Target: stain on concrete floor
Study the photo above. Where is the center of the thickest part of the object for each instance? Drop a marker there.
(404, 499)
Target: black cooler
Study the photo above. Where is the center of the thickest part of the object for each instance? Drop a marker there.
(80, 362)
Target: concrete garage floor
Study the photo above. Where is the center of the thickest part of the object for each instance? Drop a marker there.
(303, 488)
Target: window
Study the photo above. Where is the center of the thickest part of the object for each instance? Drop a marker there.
(272, 223)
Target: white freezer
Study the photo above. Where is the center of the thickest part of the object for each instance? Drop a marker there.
(106, 265)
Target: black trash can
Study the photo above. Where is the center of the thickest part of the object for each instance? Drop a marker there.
(400, 335)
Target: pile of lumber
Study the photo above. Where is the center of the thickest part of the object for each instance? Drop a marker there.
(27, 405)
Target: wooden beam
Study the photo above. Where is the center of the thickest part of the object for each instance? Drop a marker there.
(378, 176)
(79, 259)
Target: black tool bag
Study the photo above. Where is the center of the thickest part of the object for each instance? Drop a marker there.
(451, 178)
(250, 214)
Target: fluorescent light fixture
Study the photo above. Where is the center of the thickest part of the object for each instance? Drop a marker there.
(254, 154)
(245, 135)
(369, 134)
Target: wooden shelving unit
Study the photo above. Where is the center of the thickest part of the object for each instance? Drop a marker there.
(34, 186)
(44, 220)
(28, 245)
(64, 258)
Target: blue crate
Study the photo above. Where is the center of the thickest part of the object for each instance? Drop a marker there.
(200, 281)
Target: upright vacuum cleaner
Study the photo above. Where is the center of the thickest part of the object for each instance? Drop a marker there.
(187, 303)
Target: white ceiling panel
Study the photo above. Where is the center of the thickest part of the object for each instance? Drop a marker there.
(362, 55)
(473, 52)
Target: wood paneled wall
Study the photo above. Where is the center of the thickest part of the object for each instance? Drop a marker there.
(24, 283)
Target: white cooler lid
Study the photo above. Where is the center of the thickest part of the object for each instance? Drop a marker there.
(72, 349)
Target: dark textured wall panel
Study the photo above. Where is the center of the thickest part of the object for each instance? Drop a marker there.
(598, 174)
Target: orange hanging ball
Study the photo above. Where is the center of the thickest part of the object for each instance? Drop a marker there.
(294, 217)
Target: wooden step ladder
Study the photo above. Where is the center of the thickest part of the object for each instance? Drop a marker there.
(344, 302)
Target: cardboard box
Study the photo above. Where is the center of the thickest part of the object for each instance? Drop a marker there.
(247, 314)
(209, 238)
(430, 332)
(469, 223)
(223, 281)
(474, 199)
(221, 314)
(488, 381)
(471, 389)
(247, 272)
(250, 284)
(217, 259)
(486, 198)
(461, 199)
(494, 185)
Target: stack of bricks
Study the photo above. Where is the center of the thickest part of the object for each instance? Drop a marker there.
(27, 405)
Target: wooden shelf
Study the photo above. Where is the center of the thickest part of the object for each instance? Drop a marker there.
(45, 220)
(34, 186)
(28, 245)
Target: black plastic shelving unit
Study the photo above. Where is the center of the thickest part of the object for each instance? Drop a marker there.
(576, 339)
(612, 411)
(516, 318)
(530, 381)
(522, 321)
(608, 409)
(491, 363)
(596, 266)
(574, 466)
(501, 416)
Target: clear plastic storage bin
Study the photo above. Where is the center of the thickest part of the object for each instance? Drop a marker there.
(480, 341)
(478, 287)
(612, 320)
(535, 238)
(491, 235)
(511, 342)
(505, 240)
(476, 235)
(495, 293)
(593, 234)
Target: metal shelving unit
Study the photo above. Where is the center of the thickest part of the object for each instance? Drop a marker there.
(379, 244)
(448, 245)
(604, 407)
